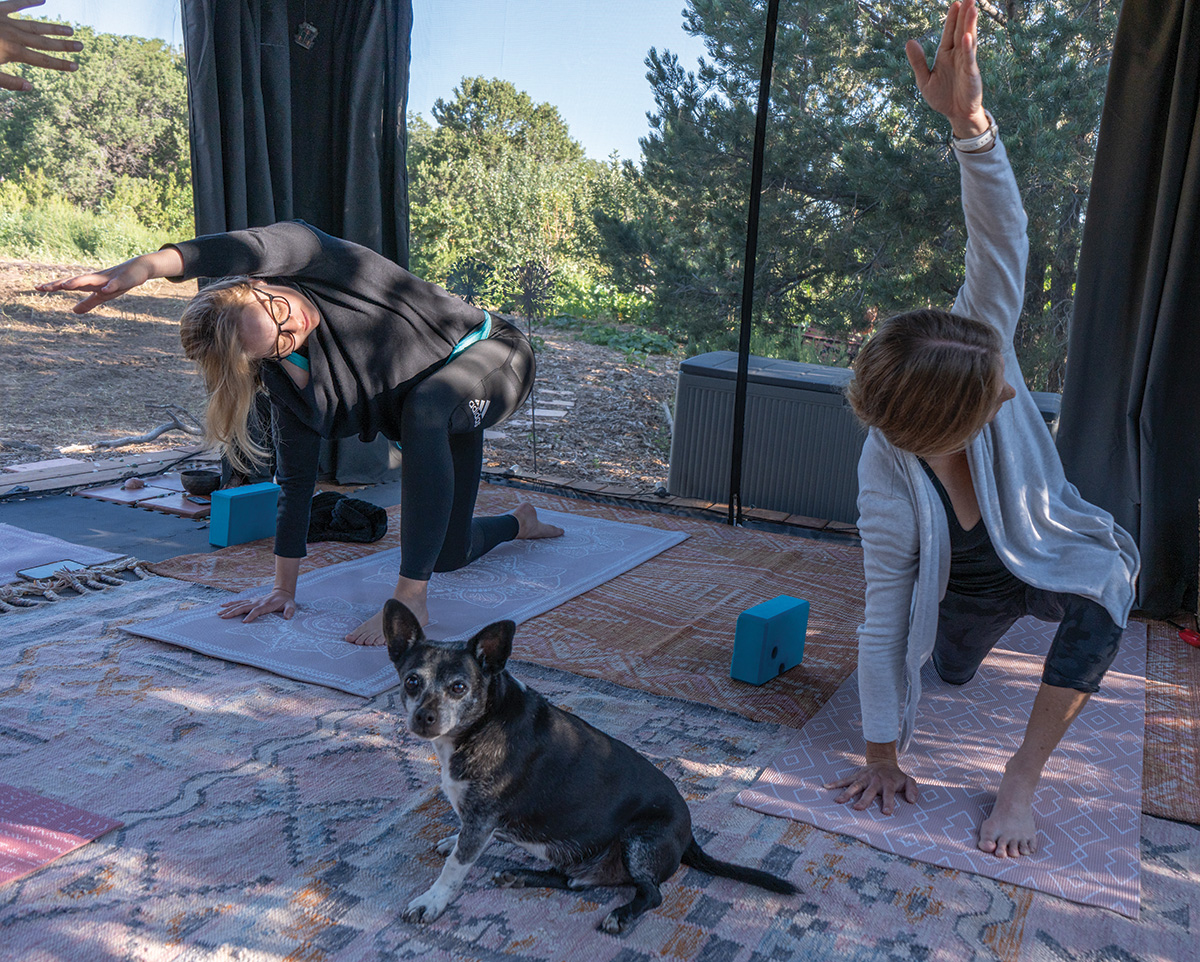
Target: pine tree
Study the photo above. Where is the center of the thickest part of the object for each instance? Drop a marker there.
(860, 208)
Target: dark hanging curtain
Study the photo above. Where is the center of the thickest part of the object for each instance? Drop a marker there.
(297, 109)
(1130, 428)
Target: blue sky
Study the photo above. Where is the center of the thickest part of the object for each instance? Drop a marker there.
(584, 56)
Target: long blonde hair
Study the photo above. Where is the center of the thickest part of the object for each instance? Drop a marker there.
(928, 379)
(209, 332)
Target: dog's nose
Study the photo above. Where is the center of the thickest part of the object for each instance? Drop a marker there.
(424, 719)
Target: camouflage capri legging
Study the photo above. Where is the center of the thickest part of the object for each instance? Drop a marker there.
(970, 625)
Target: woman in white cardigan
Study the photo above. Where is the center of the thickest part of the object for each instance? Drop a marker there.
(967, 521)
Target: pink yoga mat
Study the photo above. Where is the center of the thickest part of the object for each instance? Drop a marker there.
(1088, 802)
(35, 830)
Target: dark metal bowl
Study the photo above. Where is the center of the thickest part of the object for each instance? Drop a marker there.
(200, 483)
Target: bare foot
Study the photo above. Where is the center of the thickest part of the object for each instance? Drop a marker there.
(530, 526)
(370, 632)
(1010, 830)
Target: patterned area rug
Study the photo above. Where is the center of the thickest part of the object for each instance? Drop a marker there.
(270, 819)
(21, 549)
(1172, 768)
(667, 627)
(1087, 804)
(517, 581)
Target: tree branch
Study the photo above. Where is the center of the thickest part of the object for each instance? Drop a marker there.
(177, 414)
(995, 12)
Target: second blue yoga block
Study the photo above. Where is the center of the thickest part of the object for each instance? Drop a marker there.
(769, 639)
(243, 514)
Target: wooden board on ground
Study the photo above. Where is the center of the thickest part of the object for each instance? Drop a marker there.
(180, 504)
(117, 494)
(92, 472)
(55, 464)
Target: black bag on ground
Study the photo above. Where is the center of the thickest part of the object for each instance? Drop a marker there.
(335, 517)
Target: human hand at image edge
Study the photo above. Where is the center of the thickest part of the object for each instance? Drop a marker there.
(21, 39)
(953, 86)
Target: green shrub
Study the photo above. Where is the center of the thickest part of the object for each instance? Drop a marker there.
(577, 295)
(632, 341)
(164, 205)
(47, 228)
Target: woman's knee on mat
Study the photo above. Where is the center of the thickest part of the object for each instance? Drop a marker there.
(458, 551)
(949, 675)
(1084, 646)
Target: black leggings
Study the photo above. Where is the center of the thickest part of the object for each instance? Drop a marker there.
(442, 443)
(970, 625)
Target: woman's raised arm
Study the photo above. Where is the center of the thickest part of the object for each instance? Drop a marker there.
(107, 284)
(997, 246)
(952, 86)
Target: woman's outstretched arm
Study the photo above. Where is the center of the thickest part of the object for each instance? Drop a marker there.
(280, 250)
(105, 285)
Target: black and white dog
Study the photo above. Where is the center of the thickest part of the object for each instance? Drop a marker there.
(516, 767)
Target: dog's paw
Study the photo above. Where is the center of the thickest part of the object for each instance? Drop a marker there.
(614, 923)
(424, 908)
(508, 880)
(446, 845)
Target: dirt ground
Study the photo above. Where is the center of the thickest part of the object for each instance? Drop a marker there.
(69, 382)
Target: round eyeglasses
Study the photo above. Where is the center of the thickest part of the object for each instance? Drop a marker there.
(279, 309)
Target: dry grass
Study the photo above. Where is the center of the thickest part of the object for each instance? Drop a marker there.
(68, 381)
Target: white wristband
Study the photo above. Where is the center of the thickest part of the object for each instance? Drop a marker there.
(971, 144)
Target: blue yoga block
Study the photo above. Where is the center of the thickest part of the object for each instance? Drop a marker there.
(769, 639)
(243, 514)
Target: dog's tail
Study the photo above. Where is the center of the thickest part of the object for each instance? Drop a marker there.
(697, 858)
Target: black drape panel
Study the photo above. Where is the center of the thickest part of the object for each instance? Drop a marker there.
(282, 131)
(1130, 428)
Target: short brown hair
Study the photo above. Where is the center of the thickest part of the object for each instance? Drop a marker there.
(928, 379)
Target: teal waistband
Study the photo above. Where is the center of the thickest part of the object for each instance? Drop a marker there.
(481, 332)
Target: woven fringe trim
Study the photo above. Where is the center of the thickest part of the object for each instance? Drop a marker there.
(83, 581)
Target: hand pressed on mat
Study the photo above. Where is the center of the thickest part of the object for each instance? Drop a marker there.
(279, 600)
(881, 776)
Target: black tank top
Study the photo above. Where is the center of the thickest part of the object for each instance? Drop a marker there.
(975, 568)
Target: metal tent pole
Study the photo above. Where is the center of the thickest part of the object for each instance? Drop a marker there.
(756, 172)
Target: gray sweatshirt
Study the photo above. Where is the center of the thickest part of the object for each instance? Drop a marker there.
(1043, 531)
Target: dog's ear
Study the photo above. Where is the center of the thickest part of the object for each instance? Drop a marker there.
(400, 628)
(492, 646)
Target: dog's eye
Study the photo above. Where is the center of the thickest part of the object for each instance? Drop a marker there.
(458, 688)
(412, 684)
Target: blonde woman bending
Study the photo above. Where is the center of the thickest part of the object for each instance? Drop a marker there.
(345, 342)
(967, 521)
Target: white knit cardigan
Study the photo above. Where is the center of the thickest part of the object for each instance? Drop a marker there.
(1043, 531)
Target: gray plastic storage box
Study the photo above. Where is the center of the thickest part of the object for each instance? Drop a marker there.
(801, 442)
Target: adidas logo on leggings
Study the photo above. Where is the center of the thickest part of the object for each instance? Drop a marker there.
(478, 410)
